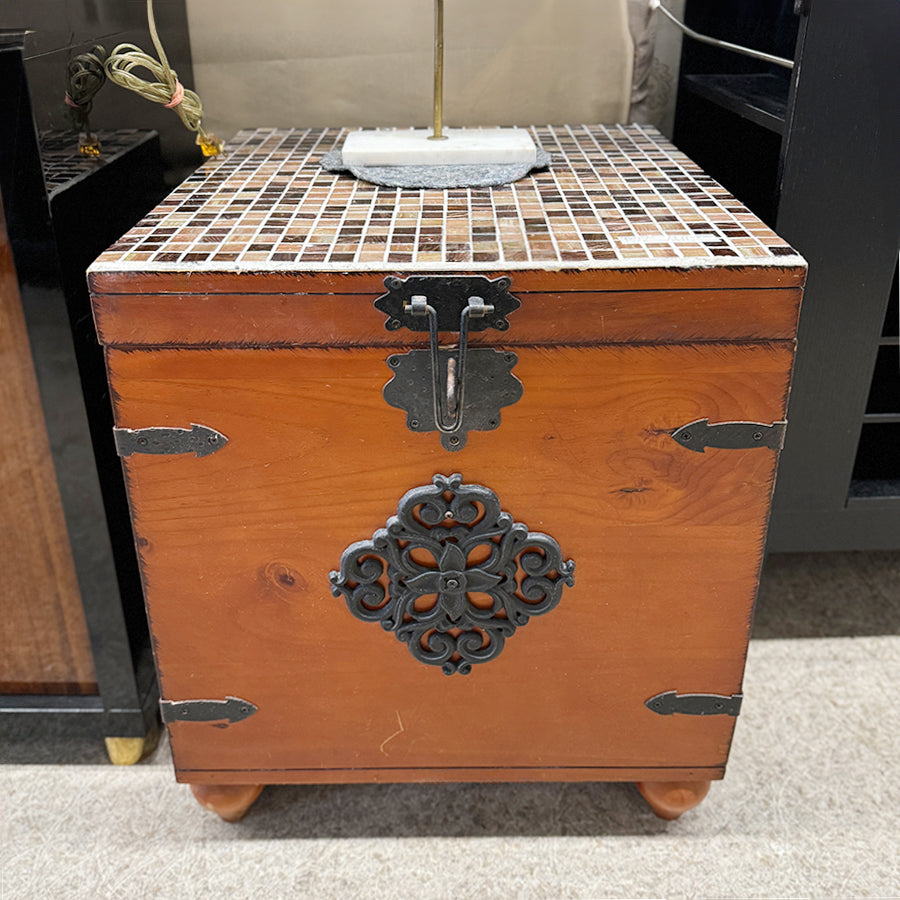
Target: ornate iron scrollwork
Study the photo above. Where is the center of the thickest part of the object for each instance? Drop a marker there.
(452, 575)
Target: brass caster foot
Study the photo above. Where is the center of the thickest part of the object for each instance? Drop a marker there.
(128, 751)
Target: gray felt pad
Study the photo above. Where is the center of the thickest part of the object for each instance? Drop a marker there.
(436, 176)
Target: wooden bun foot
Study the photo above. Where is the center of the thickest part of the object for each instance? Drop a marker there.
(669, 799)
(229, 801)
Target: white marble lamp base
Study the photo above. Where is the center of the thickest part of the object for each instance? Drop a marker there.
(461, 147)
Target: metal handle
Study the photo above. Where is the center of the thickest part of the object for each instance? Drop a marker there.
(454, 395)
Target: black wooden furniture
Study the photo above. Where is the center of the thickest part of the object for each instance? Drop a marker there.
(817, 155)
(58, 220)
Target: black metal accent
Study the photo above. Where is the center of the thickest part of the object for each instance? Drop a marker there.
(670, 702)
(432, 607)
(490, 385)
(449, 295)
(231, 709)
(198, 439)
(442, 303)
(699, 435)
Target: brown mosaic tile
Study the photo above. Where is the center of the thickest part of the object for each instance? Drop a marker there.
(614, 194)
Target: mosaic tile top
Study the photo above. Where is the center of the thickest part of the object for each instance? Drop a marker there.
(63, 164)
(614, 196)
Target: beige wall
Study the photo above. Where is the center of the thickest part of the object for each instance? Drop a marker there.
(361, 62)
(657, 58)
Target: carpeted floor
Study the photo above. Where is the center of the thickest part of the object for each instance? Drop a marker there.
(810, 806)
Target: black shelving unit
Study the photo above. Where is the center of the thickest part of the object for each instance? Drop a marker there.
(56, 226)
(816, 154)
(876, 471)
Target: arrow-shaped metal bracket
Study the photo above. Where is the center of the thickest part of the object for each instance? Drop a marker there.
(230, 710)
(699, 435)
(670, 702)
(198, 439)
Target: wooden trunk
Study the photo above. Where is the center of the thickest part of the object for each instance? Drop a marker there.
(650, 300)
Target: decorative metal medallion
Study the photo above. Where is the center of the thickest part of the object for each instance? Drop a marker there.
(452, 575)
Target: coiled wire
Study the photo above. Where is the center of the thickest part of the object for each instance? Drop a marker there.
(166, 89)
(85, 75)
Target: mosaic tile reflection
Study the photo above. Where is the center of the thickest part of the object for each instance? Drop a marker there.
(614, 195)
(63, 164)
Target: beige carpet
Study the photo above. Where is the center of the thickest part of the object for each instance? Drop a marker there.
(810, 806)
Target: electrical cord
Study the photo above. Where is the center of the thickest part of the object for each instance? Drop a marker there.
(725, 45)
(85, 75)
(166, 89)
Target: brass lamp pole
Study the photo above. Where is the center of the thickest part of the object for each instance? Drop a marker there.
(438, 71)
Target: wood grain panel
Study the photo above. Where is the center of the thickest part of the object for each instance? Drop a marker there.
(543, 318)
(44, 645)
(236, 549)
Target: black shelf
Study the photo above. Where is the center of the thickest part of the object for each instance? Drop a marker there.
(882, 418)
(869, 491)
(884, 393)
(878, 455)
(760, 98)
